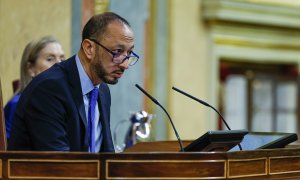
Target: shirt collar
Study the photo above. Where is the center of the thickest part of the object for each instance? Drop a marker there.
(85, 81)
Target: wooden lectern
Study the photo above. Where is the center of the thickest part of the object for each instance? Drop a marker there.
(152, 160)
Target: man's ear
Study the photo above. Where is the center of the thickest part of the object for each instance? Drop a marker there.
(88, 48)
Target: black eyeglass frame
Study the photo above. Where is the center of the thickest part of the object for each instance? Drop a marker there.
(115, 55)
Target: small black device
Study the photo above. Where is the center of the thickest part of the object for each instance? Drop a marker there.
(266, 140)
(222, 141)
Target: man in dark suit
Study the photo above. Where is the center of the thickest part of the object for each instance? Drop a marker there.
(67, 107)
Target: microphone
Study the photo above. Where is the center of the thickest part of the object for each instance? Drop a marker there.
(157, 103)
(205, 104)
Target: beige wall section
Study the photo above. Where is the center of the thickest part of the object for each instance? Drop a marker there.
(195, 52)
(188, 63)
(24, 20)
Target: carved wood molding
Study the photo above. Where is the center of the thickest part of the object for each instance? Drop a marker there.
(249, 12)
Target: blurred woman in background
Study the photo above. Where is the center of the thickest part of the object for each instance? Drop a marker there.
(38, 56)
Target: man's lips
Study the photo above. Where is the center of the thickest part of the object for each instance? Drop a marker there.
(118, 74)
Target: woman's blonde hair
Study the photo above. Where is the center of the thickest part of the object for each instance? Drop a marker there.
(30, 56)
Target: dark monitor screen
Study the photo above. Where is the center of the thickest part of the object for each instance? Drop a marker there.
(266, 140)
(216, 141)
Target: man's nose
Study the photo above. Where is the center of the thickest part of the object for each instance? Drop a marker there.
(124, 64)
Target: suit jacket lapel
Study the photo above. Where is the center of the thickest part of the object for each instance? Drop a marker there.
(107, 144)
(103, 114)
(73, 77)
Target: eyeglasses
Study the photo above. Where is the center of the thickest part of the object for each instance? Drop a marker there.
(119, 58)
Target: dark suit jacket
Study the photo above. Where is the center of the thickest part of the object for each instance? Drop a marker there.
(50, 115)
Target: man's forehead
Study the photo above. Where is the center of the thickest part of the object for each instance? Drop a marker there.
(118, 27)
(119, 33)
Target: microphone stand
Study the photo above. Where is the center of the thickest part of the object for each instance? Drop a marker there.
(157, 103)
(205, 104)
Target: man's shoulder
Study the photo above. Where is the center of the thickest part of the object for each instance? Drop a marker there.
(67, 65)
(53, 75)
(55, 78)
(58, 71)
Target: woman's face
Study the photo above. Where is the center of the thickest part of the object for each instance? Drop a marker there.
(51, 54)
